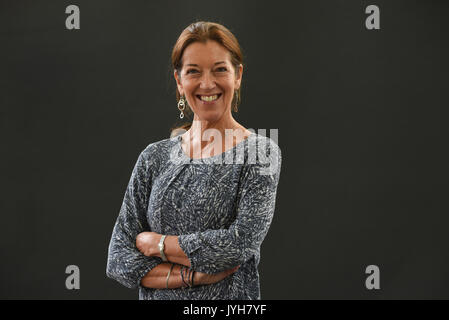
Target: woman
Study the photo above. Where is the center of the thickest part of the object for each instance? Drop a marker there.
(192, 228)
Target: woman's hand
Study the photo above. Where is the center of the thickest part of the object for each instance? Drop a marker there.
(147, 243)
(206, 278)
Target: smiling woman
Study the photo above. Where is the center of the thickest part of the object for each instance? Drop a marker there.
(208, 67)
(193, 229)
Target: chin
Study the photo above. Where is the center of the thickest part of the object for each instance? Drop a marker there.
(211, 116)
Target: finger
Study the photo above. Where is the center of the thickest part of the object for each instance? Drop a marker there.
(230, 271)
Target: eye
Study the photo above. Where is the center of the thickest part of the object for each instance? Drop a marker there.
(191, 71)
(221, 69)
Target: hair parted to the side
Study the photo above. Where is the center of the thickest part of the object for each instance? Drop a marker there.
(202, 31)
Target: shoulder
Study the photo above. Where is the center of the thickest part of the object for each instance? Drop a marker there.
(264, 155)
(268, 144)
(158, 148)
(157, 153)
(267, 148)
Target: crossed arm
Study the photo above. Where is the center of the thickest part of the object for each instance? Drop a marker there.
(134, 259)
(147, 244)
(156, 278)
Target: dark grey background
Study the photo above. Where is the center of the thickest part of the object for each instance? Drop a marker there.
(362, 126)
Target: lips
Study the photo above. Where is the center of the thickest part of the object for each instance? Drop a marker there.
(209, 98)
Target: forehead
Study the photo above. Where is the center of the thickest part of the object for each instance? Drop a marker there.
(205, 53)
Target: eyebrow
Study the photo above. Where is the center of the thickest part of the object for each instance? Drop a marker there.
(195, 65)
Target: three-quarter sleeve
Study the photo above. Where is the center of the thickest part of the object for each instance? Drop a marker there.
(213, 251)
(126, 263)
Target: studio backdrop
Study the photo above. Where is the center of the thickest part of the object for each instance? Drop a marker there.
(357, 92)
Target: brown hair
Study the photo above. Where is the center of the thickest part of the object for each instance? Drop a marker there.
(203, 31)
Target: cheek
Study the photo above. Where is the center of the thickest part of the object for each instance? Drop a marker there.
(229, 90)
(188, 86)
(189, 91)
(227, 83)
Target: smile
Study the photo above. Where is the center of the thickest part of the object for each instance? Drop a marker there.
(208, 98)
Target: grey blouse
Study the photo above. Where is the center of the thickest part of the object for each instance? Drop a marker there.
(220, 207)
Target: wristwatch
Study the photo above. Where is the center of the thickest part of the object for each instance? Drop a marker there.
(161, 248)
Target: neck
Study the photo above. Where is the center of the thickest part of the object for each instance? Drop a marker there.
(200, 126)
(225, 132)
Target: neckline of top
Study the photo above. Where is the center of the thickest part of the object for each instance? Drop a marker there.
(184, 155)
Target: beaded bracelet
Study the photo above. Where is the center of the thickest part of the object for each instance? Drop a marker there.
(187, 273)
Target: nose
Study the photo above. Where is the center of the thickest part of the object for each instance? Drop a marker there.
(207, 81)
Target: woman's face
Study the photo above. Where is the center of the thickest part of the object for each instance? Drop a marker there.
(208, 79)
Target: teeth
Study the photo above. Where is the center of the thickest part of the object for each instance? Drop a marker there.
(209, 98)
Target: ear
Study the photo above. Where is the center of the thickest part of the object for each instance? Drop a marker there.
(238, 78)
(178, 83)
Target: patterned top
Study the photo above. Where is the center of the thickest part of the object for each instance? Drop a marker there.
(220, 207)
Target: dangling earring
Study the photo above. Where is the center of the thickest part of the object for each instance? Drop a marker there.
(181, 106)
(236, 100)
